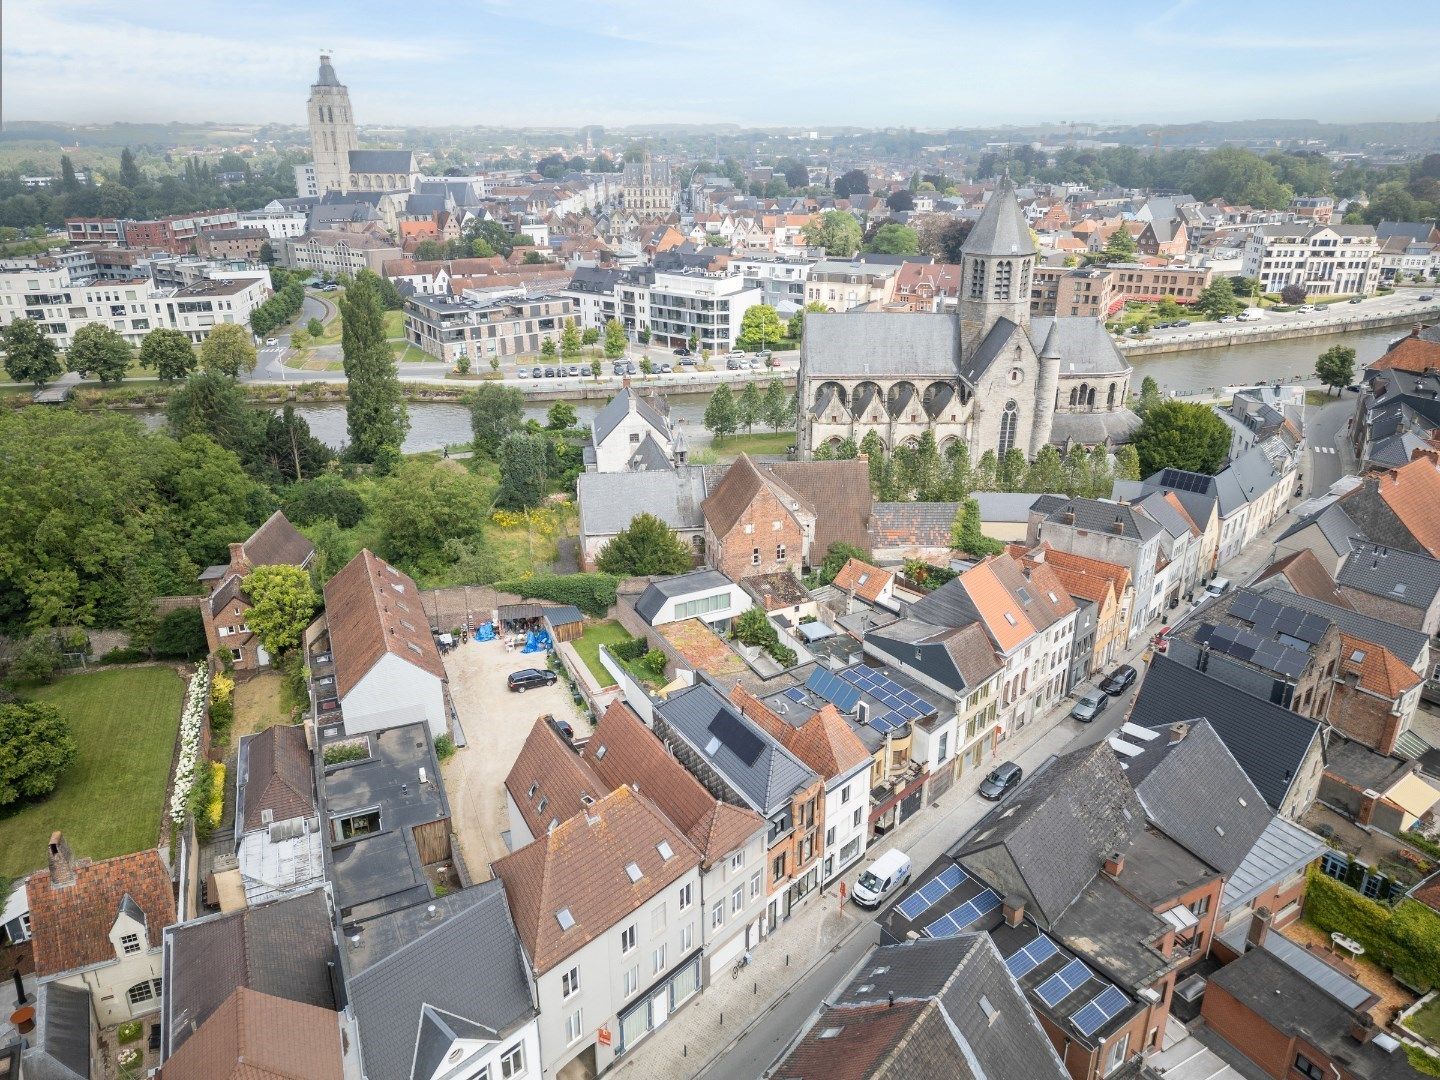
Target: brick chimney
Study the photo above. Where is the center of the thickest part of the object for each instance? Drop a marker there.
(1115, 864)
(625, 382)
(62, 863)
(1178, 731)
(1119, 526)
(1362, 1028)
(1069, 516)
(1259, 928)
(1415, 330)
(1013, 909)
(238, 561)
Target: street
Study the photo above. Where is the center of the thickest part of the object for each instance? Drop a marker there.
(1402, 301)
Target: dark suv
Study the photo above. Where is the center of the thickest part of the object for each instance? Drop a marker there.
(1119, 680)
(527, 678)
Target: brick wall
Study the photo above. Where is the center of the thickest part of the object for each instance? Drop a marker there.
(734, 553)
(1365, 718)
(1269, 1048)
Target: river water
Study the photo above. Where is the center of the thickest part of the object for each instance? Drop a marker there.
(434, 425)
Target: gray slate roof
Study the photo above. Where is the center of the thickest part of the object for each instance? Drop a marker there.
(991, 348)
(466, 964)
(881, 343)
(667, 588)
(1002, 228)
(381, 161)
(1333, 522)
(702, 717)
(1283, 849)
(618, 407)
(1086, 348)
(610, 501)
(1097, 516)
(60, 1045)
(1401, 576)
(1405, 643)
(1267, 741)
(1094, 428)
(649, 456)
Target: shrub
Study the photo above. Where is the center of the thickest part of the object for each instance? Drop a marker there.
(444, 748)
(357, 750)
(216, 809)
(1405, 941)
(37, 659)
(197, 803)
(123, 656)
(129, 1031)
(180, 634)
(594, 594)
(652, 664)
(38, 747)
(629, 651)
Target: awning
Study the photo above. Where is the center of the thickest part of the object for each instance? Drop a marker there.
(1181, 918)
(516, 612)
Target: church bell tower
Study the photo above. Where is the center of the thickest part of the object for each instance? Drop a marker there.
(332, 130)
(996, 261)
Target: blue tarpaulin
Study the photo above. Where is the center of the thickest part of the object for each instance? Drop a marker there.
(536, 641)
(485, 632)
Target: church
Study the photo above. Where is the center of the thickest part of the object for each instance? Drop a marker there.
(988, 375)
(339, 163)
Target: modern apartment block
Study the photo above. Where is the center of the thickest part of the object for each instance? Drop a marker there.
(1098, 291)
(176, 233)
(449, 327)
(1323, 259)
(674, 306)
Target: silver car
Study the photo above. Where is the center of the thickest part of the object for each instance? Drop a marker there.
(1091, 704)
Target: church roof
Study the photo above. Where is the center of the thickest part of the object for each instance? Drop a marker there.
(884, 343)
(327, 75)
(1001, 228)
(1083, 343)
(990, 347)
(382, 161)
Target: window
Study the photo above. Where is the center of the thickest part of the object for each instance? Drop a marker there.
(1118, 1051)
(687, 894)
(755, 556)
(944, 751)
(779, 552)
(570, 983)
(737, 899)
(574, 1027)
(1307, 1068)
(512, 1061)
(755, 884)
(657, 960)
(830, 836)
(627, 939)
(777, 868)
(631, 980)
(1200, 907)
(140, 992)
(1009, 421)
(355, 825)
(856, 819)
(844, 794)
(687, 937)
(717, 915)
(130, 943)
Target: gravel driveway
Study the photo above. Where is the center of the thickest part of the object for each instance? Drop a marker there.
(496, 723)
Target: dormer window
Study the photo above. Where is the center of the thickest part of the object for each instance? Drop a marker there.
(129, 944)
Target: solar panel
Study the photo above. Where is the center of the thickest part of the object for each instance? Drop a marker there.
(886, 691)
(741, 741)
(885, 723)
(1026, 960)
(1063, 983)
(796, 695)
(1244, 606)
(833, 689)
(964, 915)
(932, 892)
(1098, 1010)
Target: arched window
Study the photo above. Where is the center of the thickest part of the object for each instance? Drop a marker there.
(1090, 399)
(1110, 398)
(1084, 390)
(1001, 290)
(977, 280)
(1074, 396)
(1024, 276)
(1009, 421)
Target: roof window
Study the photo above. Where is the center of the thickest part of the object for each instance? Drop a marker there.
(564, 918)
(666, 851)
(633, 872)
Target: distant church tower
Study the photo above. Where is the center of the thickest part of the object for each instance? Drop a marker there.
(996, 261)
(332, 130)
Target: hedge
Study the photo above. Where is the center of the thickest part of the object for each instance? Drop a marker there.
(594, 594)
(1405, 941)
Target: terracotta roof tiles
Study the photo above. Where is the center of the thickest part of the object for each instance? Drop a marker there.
(1380, 671)
(277, 543)
(255, 1036)
(1414, 354)
(1306, 576)
(1412, 493)
(549, 782)
(278, 776)
(867, 581)
(824, 742)
(372, 608)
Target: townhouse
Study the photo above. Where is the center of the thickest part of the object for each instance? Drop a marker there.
(843, 285)
(1106, 587)
(223, 612)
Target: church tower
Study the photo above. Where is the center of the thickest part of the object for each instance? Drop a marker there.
(996, 261)
(332, 130)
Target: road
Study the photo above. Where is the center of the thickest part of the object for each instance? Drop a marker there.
(269, 360)
(1326, 428)
(1403, 301)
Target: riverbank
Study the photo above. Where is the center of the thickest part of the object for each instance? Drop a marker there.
(1229, 335)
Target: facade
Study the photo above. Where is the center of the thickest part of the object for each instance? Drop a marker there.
(843, 285)
(1322, 259)
(278, 223)
(177, 233)
(707, 595)
(332, 131)
(275, 543)
(1100, 291)
(449, 327)
(648, 190)
(238, 243)
(329, 252)
(633, 433)
(593, 292)
(676, 306)
(1104, 585)
(780, 279)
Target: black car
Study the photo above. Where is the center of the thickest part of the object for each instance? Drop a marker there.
(1181, 322)
(549, 373)
(528, 678)
(1119, 680)
(683, 350)
(1356, 300)
(1354, 388)
(1001, 779)
(536, 372)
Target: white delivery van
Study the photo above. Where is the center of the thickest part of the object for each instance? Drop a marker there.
(884, 876)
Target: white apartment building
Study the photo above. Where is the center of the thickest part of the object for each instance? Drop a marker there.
(847, 803)
(781, 280)
(675, 305)
(845, 284)
(307, 184)
(278, 224)
(335, 252)
(1323, 259)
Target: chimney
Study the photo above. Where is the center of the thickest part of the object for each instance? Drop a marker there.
(1415, 330)
(1013, 909)
(1259, 928)
(1068, 517)
(1115, 864)
(1362, 1028)
(62, 863)
(625, 382)
(1119, 526)
(237, 557)
(1178, 731)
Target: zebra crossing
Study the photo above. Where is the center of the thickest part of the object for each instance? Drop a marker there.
(1323, 450)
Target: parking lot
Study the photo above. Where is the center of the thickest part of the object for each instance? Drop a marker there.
(496, 723)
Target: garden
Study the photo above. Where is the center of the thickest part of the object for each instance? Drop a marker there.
(608, 633)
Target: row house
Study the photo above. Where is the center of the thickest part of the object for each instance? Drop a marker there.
(843, 285)
(1103, 585)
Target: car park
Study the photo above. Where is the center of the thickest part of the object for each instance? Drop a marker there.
(573, 370)
(522, 373)
(529, 678)
(1119, 680)
(1001, 780)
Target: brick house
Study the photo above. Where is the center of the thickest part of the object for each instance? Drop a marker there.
(275, 543)
(754, 524)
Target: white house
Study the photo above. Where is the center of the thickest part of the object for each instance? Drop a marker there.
(632, 433)
(707, 595)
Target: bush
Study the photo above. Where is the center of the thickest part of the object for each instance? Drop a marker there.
(444, 748)
(652, 664)
(197, 803)
(1405, 941)
(123, 656)
(129, 1031)
(37, 659)
(340, 753)
(38, 747)
(180, 634)
(630, 651)
(594, 594)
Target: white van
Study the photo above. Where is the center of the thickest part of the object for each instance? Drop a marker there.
(1250, 315)
(886, 874)
(1218, 587)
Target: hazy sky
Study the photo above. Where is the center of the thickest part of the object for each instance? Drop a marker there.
(924, 63)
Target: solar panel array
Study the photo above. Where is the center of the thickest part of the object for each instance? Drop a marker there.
(902, 707)
(931, 893)
(1185, 481)
(741, 741)
(1098, 1010)
(833, 689)
(962, 916)
(1026, 960)
(796, 695)
(1271, 617)
(1063, 983)
(1250, 646)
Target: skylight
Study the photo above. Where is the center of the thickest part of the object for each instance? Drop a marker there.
(1011, 619)
(831, 1032)
(712, 745)
(1357, 656)
(600, 753)
(666, 851)
(633, 872)
(564, 918)
(1051, 595)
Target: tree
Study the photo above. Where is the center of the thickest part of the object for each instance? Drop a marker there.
(390, 298)
(778, 407)
(722, 415)
(759, 327)
(944, 236)
(30, 354)
(212, 405)
(523, 460)
(1182, 435)
(282, 604)
(420, 507)
(560, 416)
(96, 347)
(129, 171)
(900, 200)
(1127, 462)
(168, 353)
(893, 239)
(36, 746)
(36, 658)
(854, 182)
(1119, 247)
(1047, 472)
(495, 411)
(1014, 470)
(750, 406)
(315, 328)
(615, 340)
(328, 495)
(835, 231)
(570, 340)
(795, 328)
(1293, 294)
(267, 252)
(796, 175)
(375, 415)
(547, 349)
(287, 451)
(1101, 478)
(1149, 396)
(227, 350)
(180, 634)
(429, 251)
(1218, 298)
(985, 473)
(590, 335)
(1336, 367)
(966, 535)
(69, 182)
(595, 369)
(645, 547)
(836, 556)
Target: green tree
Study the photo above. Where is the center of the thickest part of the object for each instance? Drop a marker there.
(836, 556)
(96, 347)
(595, 369)
(590, 335)
(495, 411)
(212, 405)
(874, 450)
(227, 350)
(1218, 298)
(778, 408)
(928, 470)
(795, 328)
(315, 328)
(854, 182)
(645, 547)
(390, 298)
(835, 231)
(375, 415)
(750, 406)
(36, 746)
(36, 658)
(69, 182)
(760, 327)
(287, 451)
(1149, 396)
(328, 495)
(1013, 470)
(419, 507)
(1119, 248)
(30, 354)
(1182, 435)
(615, 340)
(282, 605)
(180, 634)
(168, 353)
(847, 450)
(1101, 476)
(1127, 462)
(1293, 294)
(957, 471)
(1047, 471)
(129, 171)
(570, 340)
(1075, 471)
(547, 349)
(985, 473)
(722, 416)
(966, 535)
(560, 416)
(894, 239)
(1336, 367)
(523, 462)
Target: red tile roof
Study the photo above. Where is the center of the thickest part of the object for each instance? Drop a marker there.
(1380, 671)
(864, 1038)
(1414, 354)
(279, 776)
(549, 782)
(1306, 575)
(1413, 493)
(867, 581)
(372, 608)
(255, 1036)
(1002, 614)
(824, 742)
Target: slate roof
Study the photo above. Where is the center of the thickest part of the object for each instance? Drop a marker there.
(373, 609)
(1269, 742)
(1050, 837)
(911, 524)
(1403, 577)
(274, 772)
(580, 868)
(1283, 849)
(764, 776)
(882, 343)
(663, 589)
(610, 501)
(60, 1047)
(1405, 643)
(1094, 428)
(1085, 346)
(255, 1036)
(413, 965)
(649, 456)
(382, 161)
(220, 599)
(618, 407)
(548, 782)
(1002, 228)
(1332, 520)
(959, 658)
(71, 923)
(1096, 515)
(282, 949)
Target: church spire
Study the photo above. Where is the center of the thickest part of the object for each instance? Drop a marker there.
(1002, 228)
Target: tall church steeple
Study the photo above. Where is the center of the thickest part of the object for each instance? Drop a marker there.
(996, 261)
(332, 130)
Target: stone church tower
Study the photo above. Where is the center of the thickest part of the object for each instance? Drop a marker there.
(332, 130)
(996, 261)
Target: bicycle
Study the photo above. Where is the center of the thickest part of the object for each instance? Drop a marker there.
(740, 965)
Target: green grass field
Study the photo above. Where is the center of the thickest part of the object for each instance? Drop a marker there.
(761, 442)
(588, 644)
(1426, 1022)
(110, 800)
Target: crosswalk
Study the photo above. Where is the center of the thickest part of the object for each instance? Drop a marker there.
(1323, 449)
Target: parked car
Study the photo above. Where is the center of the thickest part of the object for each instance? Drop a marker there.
(739, 354)
(1119, 680)
(1001, 779)
(1091, 704)
(573, 371)
(1181, 322)
(1218, 586)
(683, 350)
(756, 362)
(1226, 318)
(1354, 388)
(664, 369)
(529, 678)
(1249, 315)
(630, 367)
(1355, 300)
(733, 363)
(1161, 641)
(522, 373)
(685, 365)
(884, 876)
(550, 373)
(1425, 296)
(560, 727)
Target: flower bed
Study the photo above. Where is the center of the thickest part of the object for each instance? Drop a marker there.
(192, 721)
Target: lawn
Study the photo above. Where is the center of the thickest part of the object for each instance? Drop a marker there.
(405, 353)
(1425, 1022)
(394, 324)
(259, 704)
(761, 442)
(608, 633)
(111, 799)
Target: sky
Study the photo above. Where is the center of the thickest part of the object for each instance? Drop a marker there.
(757, 63)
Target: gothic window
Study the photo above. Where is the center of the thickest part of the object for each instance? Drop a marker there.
(1090, 399)
(1001, 289)
(1110, 399)
(977, 280)
(1009, 420)
(1024, 276)
(1074, 396)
